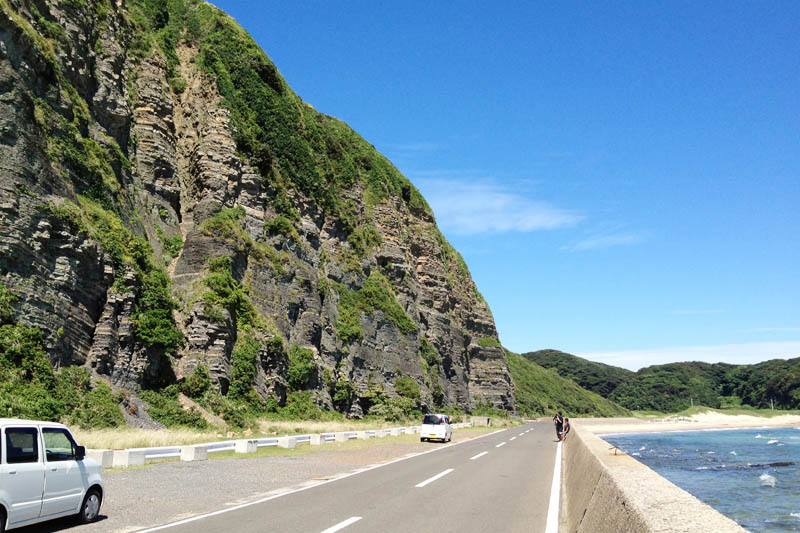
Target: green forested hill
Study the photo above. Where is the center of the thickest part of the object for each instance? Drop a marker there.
(540, 391)
(596, 377)
(674, 387)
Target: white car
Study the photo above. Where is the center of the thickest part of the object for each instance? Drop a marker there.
(435, 426)
(44, 474)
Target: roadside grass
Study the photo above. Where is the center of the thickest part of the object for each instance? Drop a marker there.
(122, 438)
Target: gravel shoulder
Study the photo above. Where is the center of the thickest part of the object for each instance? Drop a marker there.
(158, 493)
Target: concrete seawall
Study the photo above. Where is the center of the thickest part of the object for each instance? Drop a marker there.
(604, 492)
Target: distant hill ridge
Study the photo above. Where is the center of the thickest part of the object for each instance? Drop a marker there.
(675, 386)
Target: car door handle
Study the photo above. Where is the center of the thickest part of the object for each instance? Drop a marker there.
(12, 473)
(54, 469)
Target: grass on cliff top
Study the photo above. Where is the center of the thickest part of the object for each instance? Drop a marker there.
(542, 392)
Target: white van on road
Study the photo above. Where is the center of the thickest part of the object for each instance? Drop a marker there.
(435, 426)
(44, 474)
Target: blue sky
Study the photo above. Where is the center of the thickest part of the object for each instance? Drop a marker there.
(622, 178)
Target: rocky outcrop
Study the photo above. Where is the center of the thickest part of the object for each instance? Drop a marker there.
(168, 165)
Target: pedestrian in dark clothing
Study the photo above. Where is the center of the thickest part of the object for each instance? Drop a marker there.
(565, 430)
(559, 420)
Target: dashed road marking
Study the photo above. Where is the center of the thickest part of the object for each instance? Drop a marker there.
(343, 524)
(501, 444)
(478, 456)
(512, 438)
(434, 478)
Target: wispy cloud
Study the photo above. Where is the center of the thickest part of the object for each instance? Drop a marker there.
(466, 205)
(747, 353)
(605, 241)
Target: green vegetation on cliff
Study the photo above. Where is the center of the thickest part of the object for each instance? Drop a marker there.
(596, 377)
(540, 391)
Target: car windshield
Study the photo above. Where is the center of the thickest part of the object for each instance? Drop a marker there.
(432, 419)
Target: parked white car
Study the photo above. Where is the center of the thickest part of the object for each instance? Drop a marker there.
(435, 426)
(45, 474)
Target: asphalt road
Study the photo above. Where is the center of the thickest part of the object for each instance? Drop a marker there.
(498, 482)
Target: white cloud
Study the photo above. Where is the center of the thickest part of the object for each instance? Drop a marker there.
(482, 206)
(747, 353)
(604, 241)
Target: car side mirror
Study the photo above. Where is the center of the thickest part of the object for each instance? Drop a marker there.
(80, 453)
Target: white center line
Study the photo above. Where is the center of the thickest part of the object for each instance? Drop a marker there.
(477, 456)
(342, 525)
(434, 478)
(501, 444)
(512, 438)
(521, 434)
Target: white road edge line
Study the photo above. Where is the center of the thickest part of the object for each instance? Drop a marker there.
(301, 489)
(555, 492)
(342, 525)
(501, 444)
(478, 456)
(434, 478)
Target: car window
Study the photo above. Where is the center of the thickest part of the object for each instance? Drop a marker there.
(58, 444)
(431, 419)
(22, 445)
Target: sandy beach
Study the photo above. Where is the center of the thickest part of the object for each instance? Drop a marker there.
(707, 420)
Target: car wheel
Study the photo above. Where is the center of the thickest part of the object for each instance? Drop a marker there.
(2, 520)
(90, 508)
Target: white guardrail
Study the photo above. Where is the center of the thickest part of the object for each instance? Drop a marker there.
(195, 452)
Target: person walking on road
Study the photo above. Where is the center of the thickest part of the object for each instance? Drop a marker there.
(565, 429)
(559, 420)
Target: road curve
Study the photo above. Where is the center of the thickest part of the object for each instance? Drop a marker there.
(497, 482)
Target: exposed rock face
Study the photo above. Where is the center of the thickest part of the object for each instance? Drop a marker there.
(173, 165)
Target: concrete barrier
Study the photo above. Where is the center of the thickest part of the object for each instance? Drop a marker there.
(381, 433)
(287, 442)
(394, 432)
(245, 446)
(482, 421)
(126, 458)
(316, 439)
(104, 457)
(362, 435)
(603, 492)
(341, 436)
(409, 431)
(197, 452)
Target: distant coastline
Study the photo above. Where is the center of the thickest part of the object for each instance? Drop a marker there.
(709, 420)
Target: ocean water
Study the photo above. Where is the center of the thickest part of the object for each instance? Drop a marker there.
(750, 475)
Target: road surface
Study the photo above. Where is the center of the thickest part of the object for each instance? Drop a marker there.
(498, 482)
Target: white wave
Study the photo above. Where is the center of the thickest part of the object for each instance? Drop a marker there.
(796, 515)
(759, 436)
(701, 468)
(733, 452)
(773, 441)
(710, 453)
(636, 454)
(643, 448)
(767, 480)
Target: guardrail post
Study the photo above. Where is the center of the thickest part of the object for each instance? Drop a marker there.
(316, 439)
(380, 433)
(245, 446)
(409, 431)
(394, 432)
(104, 457)
(197, 452)
(126, 458)
(362, 435)
(287, 442)
(341, 436)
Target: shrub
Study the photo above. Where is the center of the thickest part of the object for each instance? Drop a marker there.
(489, 341)
(198, 384)
(301, 367)
(407, 387)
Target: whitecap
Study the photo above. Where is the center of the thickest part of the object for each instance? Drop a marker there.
(701, 468)
(643, 448)
(759, 436)
(796, 515)
(733, 452)
(636, 454)
(773, 441)
(767, 480)
(710, 453)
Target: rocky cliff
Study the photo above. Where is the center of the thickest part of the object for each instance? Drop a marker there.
(170, 208)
